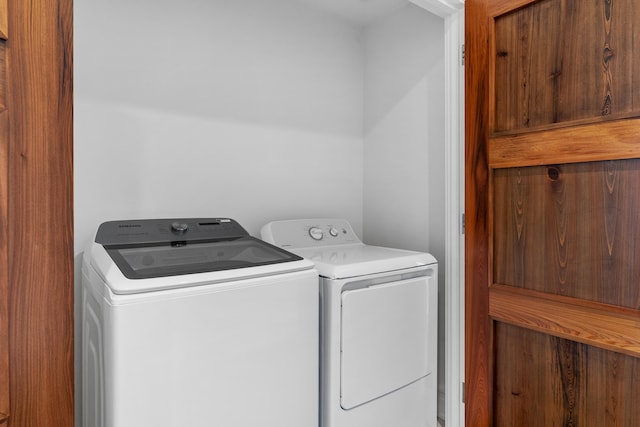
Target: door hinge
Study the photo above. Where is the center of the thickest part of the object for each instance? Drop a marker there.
(462, 55)
(462, 224)
(462, 392)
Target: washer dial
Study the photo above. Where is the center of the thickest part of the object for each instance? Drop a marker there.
(179, 227)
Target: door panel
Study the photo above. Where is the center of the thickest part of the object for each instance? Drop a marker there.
(544, 74)
(552, 207)
(537, 371)
(571, 229)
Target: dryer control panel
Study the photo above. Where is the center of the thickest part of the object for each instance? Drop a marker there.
(304, 233)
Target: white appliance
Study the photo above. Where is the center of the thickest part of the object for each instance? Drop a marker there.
(192, 322)
(378, 325)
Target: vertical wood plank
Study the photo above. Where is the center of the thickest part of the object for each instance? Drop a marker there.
(40, 112)
(579, 62)
(633, 13)
(572, 375)
(4, 241)
(619, 66)
(478, 333)
(607, 64)
(525, 63)
(4, 270)
(4, 205)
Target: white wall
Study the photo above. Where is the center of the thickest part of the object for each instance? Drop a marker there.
(215, 108)
(404, 148)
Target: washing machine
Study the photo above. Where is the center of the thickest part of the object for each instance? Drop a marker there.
(192, 322)
(378, 325)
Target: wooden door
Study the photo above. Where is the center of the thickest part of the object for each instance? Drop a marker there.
(552, 213)
(36, 214)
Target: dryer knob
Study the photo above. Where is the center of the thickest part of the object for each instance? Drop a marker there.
(316, 233)
(333, 231)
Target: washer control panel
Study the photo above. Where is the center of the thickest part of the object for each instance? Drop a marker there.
(302, 233)
(163, 231)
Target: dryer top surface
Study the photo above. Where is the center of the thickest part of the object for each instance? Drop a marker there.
(343, 261)
(336, 250)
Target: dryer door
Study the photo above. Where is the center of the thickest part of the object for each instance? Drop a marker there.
(385, 334)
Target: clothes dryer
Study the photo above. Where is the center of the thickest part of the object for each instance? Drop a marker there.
(192, 322)
(378, 325)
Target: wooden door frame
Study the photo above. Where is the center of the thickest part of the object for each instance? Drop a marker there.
(478, 333)
(4, 228)
(37, 133)
(454, 220)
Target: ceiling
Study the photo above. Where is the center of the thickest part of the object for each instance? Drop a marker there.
(359, 12)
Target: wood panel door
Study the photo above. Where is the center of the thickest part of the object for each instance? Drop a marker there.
(552, 213)
(36, 214)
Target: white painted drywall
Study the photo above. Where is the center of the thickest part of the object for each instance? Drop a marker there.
(247, 109)
(404, 150)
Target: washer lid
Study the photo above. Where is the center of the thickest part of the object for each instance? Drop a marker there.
(144, 262)
(144, 249)
(344, 261)
(103, 266)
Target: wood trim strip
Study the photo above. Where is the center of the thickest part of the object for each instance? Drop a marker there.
(4, 267)
(478, 331)
(491, 63)
(611, 328)
(613, 140)
(4, 209)
(4, 20)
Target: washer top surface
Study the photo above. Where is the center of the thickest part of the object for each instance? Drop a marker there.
(148, 255)
(335, 249)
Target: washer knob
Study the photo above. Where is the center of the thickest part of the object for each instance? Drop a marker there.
(316, 233)
(180, 227)
(333, 231)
